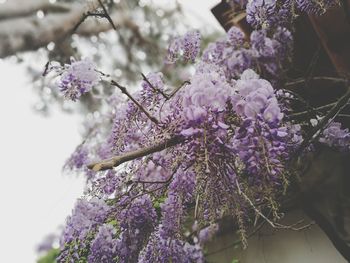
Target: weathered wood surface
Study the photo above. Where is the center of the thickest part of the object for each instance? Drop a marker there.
(278, 246)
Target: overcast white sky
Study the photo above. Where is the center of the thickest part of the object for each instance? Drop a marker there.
(35, 197)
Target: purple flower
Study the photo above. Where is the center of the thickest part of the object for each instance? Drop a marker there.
(208, 233)
(85, 216)
(187, 46)
(78, 159)
(206, 93)
(260, 13)
(335, 136)
(173, 250)
(235, 37)
(174, 50)
(316, 6)
(137, 221)
(156, 79)
(78, 78)
(103, 247)
(191, 45)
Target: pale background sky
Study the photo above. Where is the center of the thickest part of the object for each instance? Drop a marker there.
(35, 197)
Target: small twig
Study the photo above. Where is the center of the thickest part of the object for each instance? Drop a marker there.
(342, 102)
(237, 242)
(178, 88)
(154, 88)
(106, 15)
(303, 80)
(306, 113)
(77, 25)
(344, 115)
(124, 91)
(311, 68)
(196, 207)
(118, 160)
(156, 182)
(271, 223)
(95, 14)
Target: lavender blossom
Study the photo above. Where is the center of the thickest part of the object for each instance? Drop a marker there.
(173, 250)
(85, 216)
(174, 50)
(187, 46)
(316, 6)
(261, 140)
(103, 247)
(78, 159)
(335, 136)
(206, 93)
(235, 36)
(78, 78)
(260, 13)
(191, 45)
(208, 233)
(137, 222)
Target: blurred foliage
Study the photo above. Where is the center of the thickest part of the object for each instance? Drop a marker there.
(50, 256)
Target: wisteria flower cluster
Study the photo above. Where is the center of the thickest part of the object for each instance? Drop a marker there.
(272, 13)
(170, 164)
(187, 47)
(76, 78)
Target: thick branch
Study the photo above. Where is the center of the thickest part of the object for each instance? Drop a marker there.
(28, 32)
(20, 8)
(118, 160)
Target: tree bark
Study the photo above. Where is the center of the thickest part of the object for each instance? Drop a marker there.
(22, 30)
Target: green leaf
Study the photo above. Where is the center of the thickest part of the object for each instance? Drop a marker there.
(50, 257)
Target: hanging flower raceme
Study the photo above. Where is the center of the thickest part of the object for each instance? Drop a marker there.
(103, 246)
(75, 78)
(266, 53)
(187, 47)
(261, 140)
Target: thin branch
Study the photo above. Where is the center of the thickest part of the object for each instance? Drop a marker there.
(311, 68)
(178, 88)
(77, 25)
(106, 15)
(155, 182)
(344, 115)
(129, 156)
(306, 113)
(94, 14)
(271, 223)
(303, 80)
(237, 242)
(154, 88)
(124, 91)
(342, 102)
